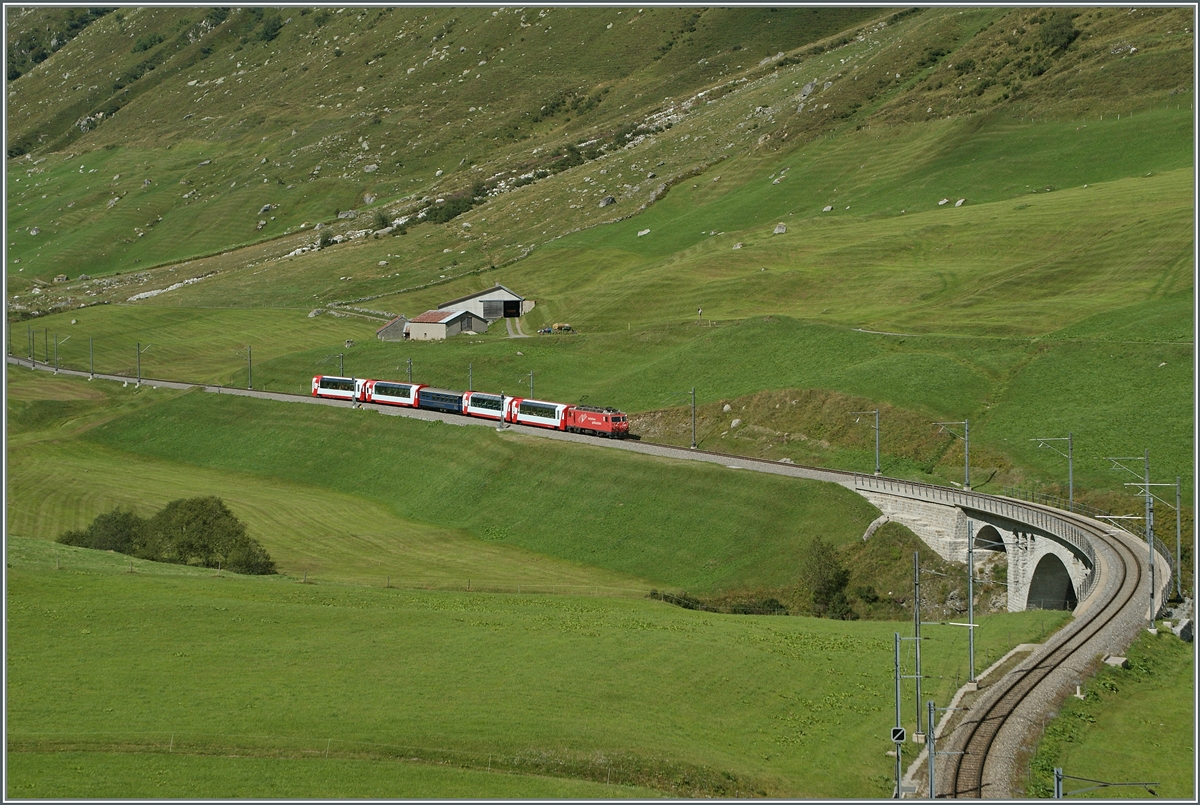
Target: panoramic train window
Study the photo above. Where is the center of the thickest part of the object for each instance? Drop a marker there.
(337, 384)
(392, 390)
(537, 409)
(490, 403)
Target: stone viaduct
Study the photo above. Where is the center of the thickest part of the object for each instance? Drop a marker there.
(1051, 563)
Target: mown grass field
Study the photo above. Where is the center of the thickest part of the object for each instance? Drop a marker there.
(187, 669)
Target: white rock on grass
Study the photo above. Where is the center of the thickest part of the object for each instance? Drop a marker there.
(828, 208)
(780, 229)
(643, 232)
(943, 201)
(727, 408)
(734, 423)
(737, 246)
(960, 202)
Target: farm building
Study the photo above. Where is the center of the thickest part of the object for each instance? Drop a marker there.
(493, 303)
(393, 330)
(438, 324)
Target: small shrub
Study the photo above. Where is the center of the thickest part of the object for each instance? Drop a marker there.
(146, 43)
(1058, 32)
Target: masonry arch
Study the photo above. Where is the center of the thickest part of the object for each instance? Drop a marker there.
(1050, 587)
(988, 538)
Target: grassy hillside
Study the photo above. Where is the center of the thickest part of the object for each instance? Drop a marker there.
(989, 215)
(384, 496)
(196, 676)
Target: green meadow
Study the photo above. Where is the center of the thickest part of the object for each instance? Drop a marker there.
(989, 217)
(358, 691)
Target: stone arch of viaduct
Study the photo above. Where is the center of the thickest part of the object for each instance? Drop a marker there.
(1050, 563)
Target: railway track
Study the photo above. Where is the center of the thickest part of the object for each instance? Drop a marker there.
(983, 745)
(990, 736)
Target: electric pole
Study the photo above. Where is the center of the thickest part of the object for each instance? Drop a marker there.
(693, 417)
(917, 634)
(876, 413)
(1070, 463)
(966, 437)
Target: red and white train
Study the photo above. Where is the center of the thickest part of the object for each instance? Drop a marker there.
(518, 410)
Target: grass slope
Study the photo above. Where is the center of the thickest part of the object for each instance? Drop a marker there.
(174, 660)
(1151, 705)
(700, 527)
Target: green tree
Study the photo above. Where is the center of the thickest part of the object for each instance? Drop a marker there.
(826, 577)
(204, 531)
(119, 530)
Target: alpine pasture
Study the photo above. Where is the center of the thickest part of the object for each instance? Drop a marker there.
(946, 214)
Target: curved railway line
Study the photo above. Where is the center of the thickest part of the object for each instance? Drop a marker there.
(1032, 684)
(983, 745)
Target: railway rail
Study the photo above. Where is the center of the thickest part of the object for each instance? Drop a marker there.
(984, 745)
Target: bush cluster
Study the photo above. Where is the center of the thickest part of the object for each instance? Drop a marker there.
(193, 531)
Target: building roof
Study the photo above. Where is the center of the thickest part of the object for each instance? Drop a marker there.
(471, 296)
(390, 323)
(438, 316)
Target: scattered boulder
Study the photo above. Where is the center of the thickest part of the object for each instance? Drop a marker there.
(943, 201)
(35, 230)
(959, 203)
(74, 321)
(349, 343)
(651, 175)
(265, 209)
(84, 277)
(347, 214)
(737, 246)
(383, 262)
(734, 423)
(807, 89)
(206, 162)
(370, 169)
(643, 232)
(261, 224)
(145, 183)
(780, 229)
(316, 312)
(727, 408)
(62, 278)
(604, 202)
(828, 207)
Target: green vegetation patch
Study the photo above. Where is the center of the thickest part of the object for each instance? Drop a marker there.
(1149, 707)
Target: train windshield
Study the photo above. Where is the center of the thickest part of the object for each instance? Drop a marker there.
(539, 409)
(490, 403)
(393, 390)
